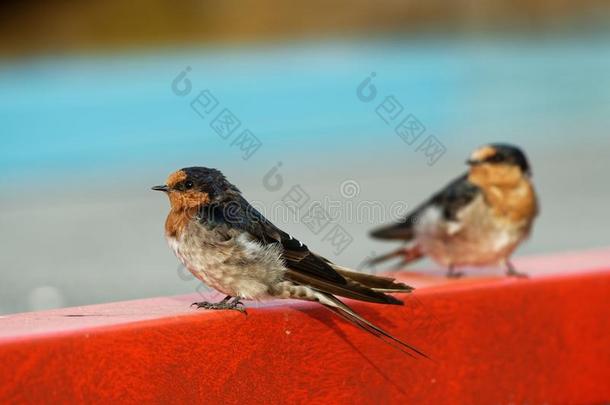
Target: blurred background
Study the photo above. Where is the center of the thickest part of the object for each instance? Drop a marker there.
(350, 103)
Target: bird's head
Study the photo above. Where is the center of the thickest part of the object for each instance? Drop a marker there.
(500, 154)
(498, 164)
(193, 187)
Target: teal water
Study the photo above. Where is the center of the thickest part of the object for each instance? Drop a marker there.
(111, 112)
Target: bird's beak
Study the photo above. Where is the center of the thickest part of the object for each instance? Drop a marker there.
(473, 162)
(163, 188)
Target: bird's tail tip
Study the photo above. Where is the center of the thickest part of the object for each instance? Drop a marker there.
(344, 311)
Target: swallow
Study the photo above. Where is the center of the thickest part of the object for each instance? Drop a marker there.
(230, 246)
(478, 219)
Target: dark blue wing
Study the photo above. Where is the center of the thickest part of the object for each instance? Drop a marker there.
(450, 200)
(239, 214)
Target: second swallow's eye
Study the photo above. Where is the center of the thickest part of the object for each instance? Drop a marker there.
(188, 185)
(496, 158)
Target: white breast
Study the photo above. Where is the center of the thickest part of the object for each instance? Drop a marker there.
(476, 238)
(174, 245)
(237, 266)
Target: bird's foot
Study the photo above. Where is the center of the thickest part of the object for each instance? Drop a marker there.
(512, 272)
(451, 273)
(454, 274)
(226, 303)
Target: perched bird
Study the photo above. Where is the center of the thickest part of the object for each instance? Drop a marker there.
(230, 246)
(478, 219)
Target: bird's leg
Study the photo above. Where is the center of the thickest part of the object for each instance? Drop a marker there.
(226, 303)
(511, 271)
(412, 254)
(407, 255)
(451, 273)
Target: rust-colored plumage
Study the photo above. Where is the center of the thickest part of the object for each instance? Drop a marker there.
(506, 190)
(479, 219)
(184, 204)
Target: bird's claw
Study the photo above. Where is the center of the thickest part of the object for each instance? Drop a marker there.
(236, 305)
(239, 306)
(515, 273)
(511, 271)
(452, 273)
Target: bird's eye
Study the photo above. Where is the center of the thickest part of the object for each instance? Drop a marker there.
(496, 158)
(188, 185)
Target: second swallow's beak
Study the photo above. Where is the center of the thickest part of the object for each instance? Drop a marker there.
(472, 162)
(163, 188)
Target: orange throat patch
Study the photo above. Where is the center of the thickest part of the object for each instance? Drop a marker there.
(184, 208)
(177, 220)
(184, 204)
(509, 192)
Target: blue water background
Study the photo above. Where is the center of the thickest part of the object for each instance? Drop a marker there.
(112, 112)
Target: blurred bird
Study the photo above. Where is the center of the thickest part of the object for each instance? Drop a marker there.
(478, 219)
(230, 246)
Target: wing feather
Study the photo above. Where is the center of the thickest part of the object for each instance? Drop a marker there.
(450, 200)
(238, 213)
(304, 266)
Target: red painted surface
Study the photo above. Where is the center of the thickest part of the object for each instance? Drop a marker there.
(493, 340)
